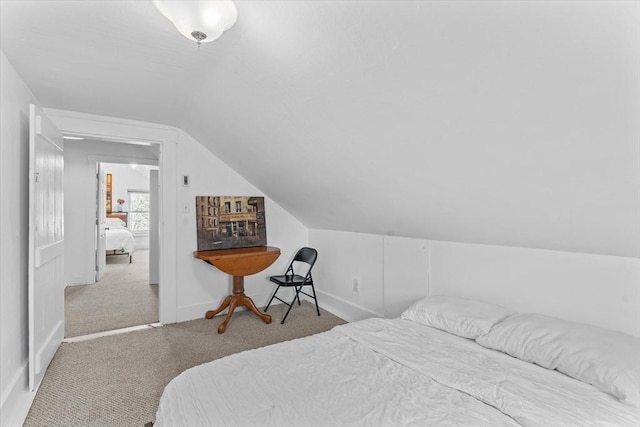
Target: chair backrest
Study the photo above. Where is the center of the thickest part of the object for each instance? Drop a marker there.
(307, 255)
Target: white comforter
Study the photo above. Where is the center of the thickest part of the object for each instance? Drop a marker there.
(120, 239)
(383, 372)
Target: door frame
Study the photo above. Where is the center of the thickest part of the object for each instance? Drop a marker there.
(101, 225)
(166, 138)
(101, 159)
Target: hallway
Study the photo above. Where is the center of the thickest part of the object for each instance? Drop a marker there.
(122, 298)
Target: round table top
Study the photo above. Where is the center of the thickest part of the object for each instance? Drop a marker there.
(240, 261)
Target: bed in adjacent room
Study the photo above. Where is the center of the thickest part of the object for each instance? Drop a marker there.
(120, 240)
(444, 361)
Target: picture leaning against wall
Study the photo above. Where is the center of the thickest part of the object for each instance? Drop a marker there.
(225, 222)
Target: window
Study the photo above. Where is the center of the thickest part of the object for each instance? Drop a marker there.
(238, 206)
(138, 210)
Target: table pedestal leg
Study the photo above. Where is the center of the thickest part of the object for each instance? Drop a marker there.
(225, 303)
(238, 299)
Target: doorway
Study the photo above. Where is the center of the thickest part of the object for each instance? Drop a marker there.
(163, 142)
(109, 285)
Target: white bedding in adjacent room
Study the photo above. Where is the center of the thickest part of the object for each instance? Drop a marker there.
(383, 372)
(120, 239)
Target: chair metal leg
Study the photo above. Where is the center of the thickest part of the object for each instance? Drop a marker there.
(290, 307)
(315, 299)
(272, 297)
(296, 297)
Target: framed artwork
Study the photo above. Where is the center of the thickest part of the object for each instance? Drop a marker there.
(109, 192)
(225, 222)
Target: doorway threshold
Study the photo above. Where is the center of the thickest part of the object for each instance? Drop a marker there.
(113, 332)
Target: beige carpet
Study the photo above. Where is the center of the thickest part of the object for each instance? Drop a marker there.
(122, 298)
(118, 380)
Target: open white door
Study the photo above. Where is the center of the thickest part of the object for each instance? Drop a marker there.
(101, 224)
(46, 244)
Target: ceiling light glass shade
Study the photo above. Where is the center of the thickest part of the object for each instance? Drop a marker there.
(201, 21)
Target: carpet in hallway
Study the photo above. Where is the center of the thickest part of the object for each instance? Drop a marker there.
(122, 298)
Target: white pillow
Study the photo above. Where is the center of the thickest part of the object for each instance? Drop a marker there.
(463, 317)
(608, 360)
(115, 223)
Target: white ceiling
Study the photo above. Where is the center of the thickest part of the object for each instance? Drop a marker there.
(510, 123)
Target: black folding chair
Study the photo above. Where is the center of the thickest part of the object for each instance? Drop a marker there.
(291, 279)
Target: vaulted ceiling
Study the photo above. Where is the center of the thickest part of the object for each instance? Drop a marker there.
(511, 123)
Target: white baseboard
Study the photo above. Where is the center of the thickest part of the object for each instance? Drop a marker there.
(49, 348)
(16, 400)
(343, 309)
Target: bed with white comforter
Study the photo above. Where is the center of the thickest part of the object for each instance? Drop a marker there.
(119, 239)
(396, 372)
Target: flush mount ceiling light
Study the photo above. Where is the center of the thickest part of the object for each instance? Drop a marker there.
(202, 21)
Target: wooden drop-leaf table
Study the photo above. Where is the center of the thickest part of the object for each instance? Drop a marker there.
(239, 262)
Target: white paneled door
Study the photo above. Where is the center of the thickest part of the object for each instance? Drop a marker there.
(101, 224)
(46, 244)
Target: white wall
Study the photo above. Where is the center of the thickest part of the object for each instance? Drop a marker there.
(126, 177)
(343, 256)
(80, 201)
(202, 287)
(373, 261)
(406, 269)
(597, 289)
(15, 397)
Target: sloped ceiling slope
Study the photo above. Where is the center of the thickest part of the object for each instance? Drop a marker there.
(510, 123)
